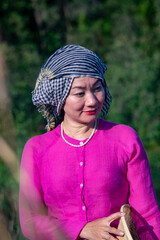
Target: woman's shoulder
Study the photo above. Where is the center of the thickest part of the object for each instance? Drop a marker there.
(118, 131)
(123, 135)
(44, 139)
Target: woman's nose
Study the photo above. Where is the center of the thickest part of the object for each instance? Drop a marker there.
(91, 99)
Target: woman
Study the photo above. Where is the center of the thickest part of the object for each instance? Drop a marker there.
(75, 177)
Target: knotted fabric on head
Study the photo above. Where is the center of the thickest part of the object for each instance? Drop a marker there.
(56, 76)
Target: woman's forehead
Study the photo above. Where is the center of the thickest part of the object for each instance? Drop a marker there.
(83, 81)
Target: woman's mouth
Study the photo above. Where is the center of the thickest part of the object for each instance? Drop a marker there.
(91, 112)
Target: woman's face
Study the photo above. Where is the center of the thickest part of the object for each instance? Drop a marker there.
(85, 100)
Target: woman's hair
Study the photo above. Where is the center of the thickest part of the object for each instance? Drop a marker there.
(56, 76)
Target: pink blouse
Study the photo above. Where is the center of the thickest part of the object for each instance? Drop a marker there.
(63, 187)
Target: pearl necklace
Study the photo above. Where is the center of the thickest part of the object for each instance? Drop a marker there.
(73, 145)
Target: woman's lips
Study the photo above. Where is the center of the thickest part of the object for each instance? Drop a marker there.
(91, 112)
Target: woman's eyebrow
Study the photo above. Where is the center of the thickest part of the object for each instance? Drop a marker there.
(78, 87)
(98, 81)
(81, 87)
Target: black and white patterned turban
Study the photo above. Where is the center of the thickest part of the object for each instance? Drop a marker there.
(56, 76)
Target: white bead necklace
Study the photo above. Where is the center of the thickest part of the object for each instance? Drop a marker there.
(73, 145)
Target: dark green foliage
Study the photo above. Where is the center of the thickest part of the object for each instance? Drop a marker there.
(8, 200)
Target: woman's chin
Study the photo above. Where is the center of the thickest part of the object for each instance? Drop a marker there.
(90, 119)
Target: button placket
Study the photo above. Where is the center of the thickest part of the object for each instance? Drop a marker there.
(81, 174)
(81, 182)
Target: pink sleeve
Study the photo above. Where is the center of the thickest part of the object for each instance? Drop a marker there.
(34, 219)
(142, 196)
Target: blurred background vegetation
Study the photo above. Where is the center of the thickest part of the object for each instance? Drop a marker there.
(126, 36)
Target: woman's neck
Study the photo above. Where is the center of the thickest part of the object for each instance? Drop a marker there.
(77, 130)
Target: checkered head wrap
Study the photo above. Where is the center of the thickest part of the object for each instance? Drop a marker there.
(56, 76)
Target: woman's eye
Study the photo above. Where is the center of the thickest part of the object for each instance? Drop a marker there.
(98, 88)
(80, 94)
